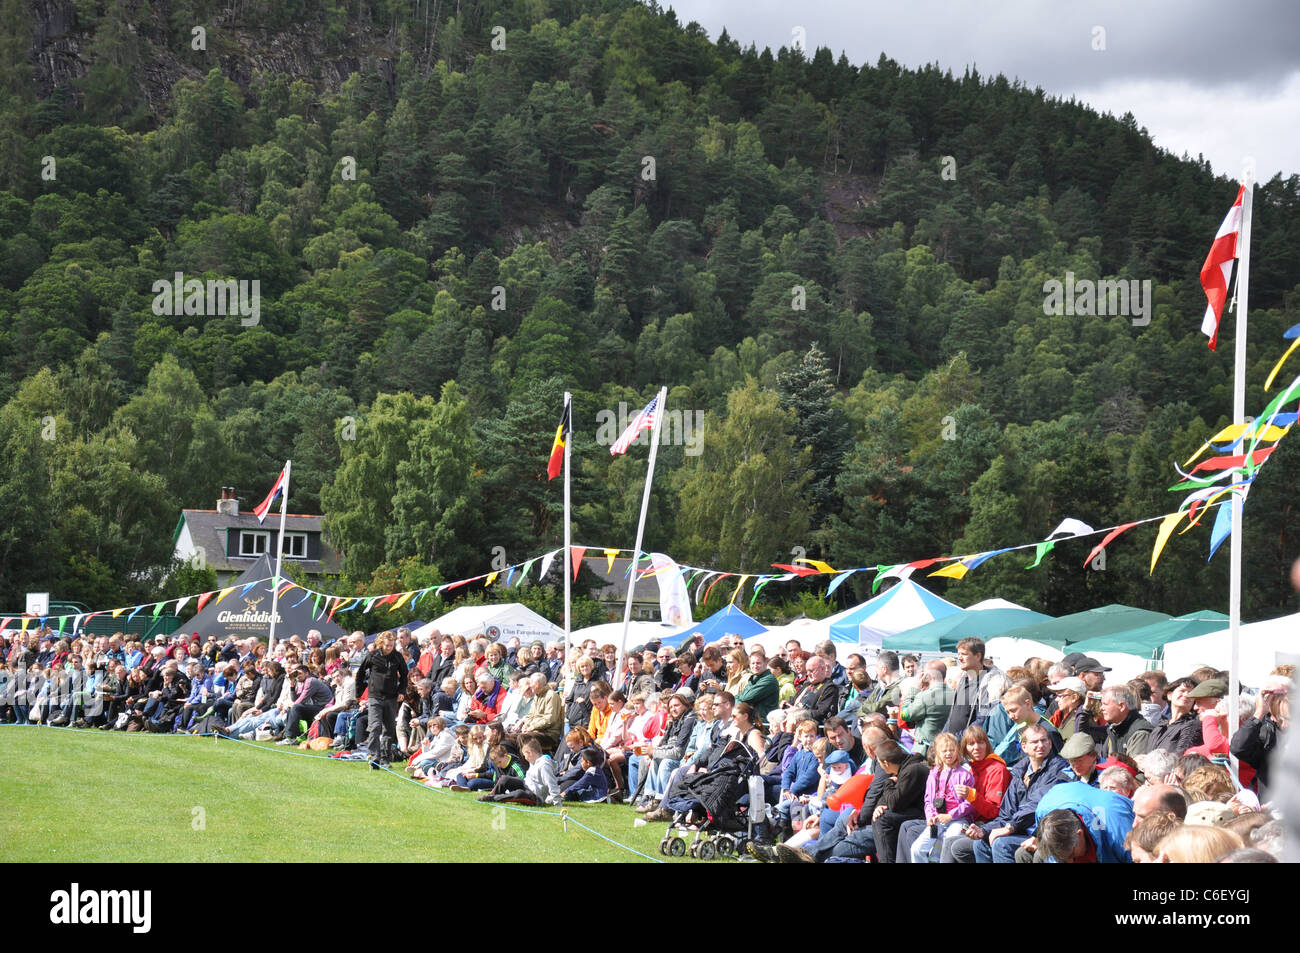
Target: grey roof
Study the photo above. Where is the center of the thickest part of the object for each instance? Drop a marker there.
(208, 530)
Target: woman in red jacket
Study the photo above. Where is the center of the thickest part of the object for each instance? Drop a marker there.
(992, 778)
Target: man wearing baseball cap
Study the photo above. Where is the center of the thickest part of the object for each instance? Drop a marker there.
(1092, 672)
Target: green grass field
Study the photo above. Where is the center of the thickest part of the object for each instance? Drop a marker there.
(104, 797)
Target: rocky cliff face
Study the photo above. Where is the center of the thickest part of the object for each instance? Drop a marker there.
(64, 51)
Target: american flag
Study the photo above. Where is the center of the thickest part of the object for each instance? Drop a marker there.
(643, 421)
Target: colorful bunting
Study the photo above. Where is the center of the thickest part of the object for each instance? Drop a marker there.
(838, 581)
(1166, 527)
(714, 583)
(1041, 550)
(1106, 540)
(955, 570)
(1222, 527)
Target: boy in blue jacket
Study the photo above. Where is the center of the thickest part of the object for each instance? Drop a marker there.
(592, 786)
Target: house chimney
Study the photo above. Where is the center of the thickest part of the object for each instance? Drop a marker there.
(228, 505)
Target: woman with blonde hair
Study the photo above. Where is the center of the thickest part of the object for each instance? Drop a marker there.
(1197, 844)
(738, 673)
(1209, 783)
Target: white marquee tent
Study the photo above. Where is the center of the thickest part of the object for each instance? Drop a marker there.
(1263, 645)
(498, 623)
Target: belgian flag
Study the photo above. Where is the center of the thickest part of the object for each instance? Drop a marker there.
(556, 463)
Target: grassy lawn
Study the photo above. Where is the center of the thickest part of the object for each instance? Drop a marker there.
(95, 796)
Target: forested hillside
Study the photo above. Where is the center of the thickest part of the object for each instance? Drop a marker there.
(457, 210)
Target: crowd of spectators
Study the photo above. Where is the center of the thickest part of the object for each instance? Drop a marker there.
(950, 761)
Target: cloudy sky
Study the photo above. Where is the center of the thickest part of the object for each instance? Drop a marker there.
(1208, 77)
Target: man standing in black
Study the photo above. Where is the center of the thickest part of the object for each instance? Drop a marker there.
(384, 671)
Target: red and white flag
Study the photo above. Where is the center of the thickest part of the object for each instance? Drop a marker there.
(1217, 269)
(281, 488)
(642, 421)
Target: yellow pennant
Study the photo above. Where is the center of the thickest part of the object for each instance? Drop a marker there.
(955, 570)
(118, 612)
(817, 564)
(224, 593)
(400, 602)
(1282, 360)
(1166, 528)
(492, 577)
(740, 588)
(609, 559)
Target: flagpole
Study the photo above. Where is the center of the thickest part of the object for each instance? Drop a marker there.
(1238, 418)
(640, 527)
(279, 554)
(568, 529)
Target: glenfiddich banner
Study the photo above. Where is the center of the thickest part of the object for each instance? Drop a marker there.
(246, 611)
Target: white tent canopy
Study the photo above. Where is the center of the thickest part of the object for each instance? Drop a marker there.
(996, 604)
(1006, 652)
(638, 633)
(1263, 646)
(497, 623)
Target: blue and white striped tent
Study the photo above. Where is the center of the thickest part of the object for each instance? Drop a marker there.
(903, 607)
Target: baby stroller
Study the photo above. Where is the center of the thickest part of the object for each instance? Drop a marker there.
(706, 807)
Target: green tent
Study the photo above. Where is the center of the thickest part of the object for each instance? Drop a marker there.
(942, 635)
(1148, 640)
(1089, 624)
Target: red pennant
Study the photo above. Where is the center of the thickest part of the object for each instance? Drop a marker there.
(714, 583)
(1106, 541)
(203, 600)
(1230, 463)
(575, 555)
(922, 563)
(797, 570)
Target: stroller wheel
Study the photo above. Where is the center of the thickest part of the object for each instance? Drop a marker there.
(706, 850)
(694, 849)
(663, 847)
(726, 846)
(676, 847)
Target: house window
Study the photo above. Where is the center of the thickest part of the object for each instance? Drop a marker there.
(253, 544)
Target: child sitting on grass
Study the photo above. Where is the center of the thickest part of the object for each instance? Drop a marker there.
(538, 786)
(439, 773)
(509, 774)
(592, 786)
(438, 744)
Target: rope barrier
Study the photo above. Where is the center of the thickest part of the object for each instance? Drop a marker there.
(565, 817)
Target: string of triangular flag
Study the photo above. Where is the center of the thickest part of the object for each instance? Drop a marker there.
(1240, 451)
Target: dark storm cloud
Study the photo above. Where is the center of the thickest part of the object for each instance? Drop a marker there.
(1048, 43)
